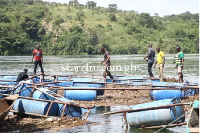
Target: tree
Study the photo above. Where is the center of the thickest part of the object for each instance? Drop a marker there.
(80, 16)
(74, 3)
(112, 7)
(31, 26)
(91, 4)
(146, 20)
(112, 17)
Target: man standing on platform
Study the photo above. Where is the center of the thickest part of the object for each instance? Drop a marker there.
(38, 58)
(160, 61)
(179, 59)
(150, 56)
(106, 63)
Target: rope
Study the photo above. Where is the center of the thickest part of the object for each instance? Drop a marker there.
(172, 121)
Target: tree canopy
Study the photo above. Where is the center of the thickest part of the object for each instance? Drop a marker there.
(75, 28)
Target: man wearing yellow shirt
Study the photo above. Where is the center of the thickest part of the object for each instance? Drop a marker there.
(160, 61)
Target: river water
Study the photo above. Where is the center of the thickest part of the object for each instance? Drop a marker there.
(122, 65)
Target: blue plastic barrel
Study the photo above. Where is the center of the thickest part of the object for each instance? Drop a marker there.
(82, 95)
(167, 84)
(4, 92)
(59, 78)
(109, 80)
(39, 95)
(10, 77)
(166, 94)
(25, 93)
(70, 110)
(85, 80)
(36, 80)
(7, 82)
(36, 107)
(52, 84)
(88, 85)
(99, 92)
(67, 83)
(7, 79)
(157, 116)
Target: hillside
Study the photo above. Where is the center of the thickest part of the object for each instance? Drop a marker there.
(62, 29)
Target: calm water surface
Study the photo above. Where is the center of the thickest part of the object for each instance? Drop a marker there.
(58, 65)
(108, 123)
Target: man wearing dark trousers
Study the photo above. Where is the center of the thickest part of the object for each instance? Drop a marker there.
(22, 75)
(106, 63)
(150, 56)
(37, 53)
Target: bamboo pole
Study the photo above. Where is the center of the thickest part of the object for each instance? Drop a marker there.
(149, 108)
(125, 119)
(49, 109)
(63, 111)
(86, 116)
(161, 126)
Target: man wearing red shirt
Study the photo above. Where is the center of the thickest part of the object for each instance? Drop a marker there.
(38, 58)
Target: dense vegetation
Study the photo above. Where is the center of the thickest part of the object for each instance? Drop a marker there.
(82, 29)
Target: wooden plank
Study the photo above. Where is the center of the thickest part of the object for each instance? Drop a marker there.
(49, 109)
(125, 119)
(149, 108)
(174, 109)
(86, 116)
(161, 126)
(63, 111)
